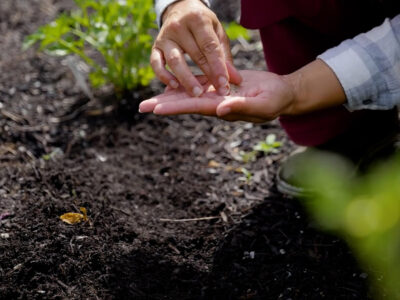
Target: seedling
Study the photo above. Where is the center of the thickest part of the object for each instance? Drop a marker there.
(116, 32)
(269, 145)
(247, 174)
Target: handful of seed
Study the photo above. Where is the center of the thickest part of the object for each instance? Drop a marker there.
(234, 88)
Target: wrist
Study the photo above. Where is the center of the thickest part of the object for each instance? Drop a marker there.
(314, 87)
(168, 9)
(294, 83)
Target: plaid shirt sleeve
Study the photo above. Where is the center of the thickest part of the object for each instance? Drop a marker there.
(161, 5)
(368, 67)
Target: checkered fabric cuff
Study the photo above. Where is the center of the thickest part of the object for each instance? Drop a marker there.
(368, 67)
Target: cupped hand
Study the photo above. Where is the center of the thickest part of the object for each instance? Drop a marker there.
(190, 27)
(261, 97)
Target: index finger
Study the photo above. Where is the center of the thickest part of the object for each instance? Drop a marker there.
(210, 45)
(194, 105)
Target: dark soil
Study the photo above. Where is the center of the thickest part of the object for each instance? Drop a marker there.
(138, 176)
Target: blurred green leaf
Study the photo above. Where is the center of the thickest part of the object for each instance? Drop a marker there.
(269, 145)
(365, 211)
(248, 156)
(234, 31)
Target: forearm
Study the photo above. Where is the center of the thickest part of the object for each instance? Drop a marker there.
(361, 73)
(315, 87)
(368, 67)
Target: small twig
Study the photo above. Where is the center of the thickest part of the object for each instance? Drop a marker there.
(174, 249)
(121, 210)
(38, 175)
(69, 117)
(12, 116)
(85, 108)
(190, 220)
(63, 285)
(8, 149)
(5, 215)
(70, 144)
(36, 128)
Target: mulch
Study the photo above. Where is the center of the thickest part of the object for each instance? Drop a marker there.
(171, 213)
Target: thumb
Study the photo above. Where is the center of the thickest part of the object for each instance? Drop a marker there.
(249, 107)
(235, 105)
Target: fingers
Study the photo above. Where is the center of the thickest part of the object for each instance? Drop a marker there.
(203, 80)
(210, 56)
(226, 108)
(194, 52)
(173, 56)
(236, 105)
(171, 95)
(157, 62)
(253, 107)
(234, 75)
(189, 27)
(148, 105)
(202, 106)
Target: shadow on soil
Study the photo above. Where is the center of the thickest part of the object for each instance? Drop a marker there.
(267, 256)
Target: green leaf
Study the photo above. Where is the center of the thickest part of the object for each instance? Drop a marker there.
(97, 78)
(32, 39)
(364, 210)
(270, 139)
(234, 31)
(269, 145)
(248, 156)
(117, 31)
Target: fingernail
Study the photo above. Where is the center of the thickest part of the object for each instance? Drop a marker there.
(174, 84)
(224, 91)
(222, 81)
(140, 111)
(197, 91)
(224, 111)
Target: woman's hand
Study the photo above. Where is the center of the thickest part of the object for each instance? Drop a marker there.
(191, 27)
(261, 97)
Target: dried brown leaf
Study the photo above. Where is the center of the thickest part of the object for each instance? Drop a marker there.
(72, 218)
(213, 164)
(75, 218)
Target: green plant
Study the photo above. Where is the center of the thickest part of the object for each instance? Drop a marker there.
(247, 175)
(269, 145)
(118, 30)
(234, 31)
(365, 211)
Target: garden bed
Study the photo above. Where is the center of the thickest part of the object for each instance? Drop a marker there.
(171, 213)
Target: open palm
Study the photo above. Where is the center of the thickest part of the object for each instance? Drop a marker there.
(262, 96)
